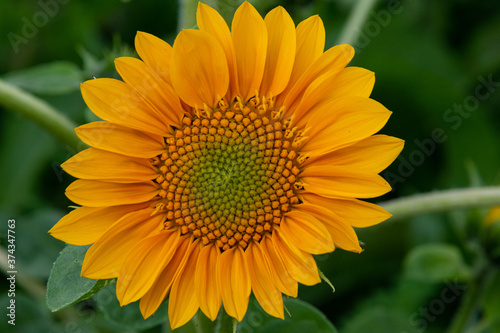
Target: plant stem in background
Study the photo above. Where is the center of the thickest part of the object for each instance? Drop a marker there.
(187, 12)
(441, 201)
(353, 26)
(39, 111)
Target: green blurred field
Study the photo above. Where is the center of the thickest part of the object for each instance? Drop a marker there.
(433, 61)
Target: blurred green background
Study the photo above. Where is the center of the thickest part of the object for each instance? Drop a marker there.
(437, 66)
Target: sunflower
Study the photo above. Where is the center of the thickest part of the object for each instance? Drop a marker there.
(224, 163)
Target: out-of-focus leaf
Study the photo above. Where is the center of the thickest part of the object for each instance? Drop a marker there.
(27, 315)
(380, 319)
(436, 263)
(128, 316)
(65, 285)
(304, 318)
(53, 78)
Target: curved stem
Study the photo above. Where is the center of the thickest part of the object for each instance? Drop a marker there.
(39, 111)
(353, 26)
(442, 201)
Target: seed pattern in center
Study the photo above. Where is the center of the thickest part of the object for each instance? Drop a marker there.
(228, 177)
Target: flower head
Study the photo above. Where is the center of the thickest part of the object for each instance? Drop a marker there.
(223, 163)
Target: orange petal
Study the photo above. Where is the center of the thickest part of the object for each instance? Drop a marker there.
(333, 60)
(299, 264)
(263, 286)
(205, 281)
(285, 283)
(156, 53)
(249, 34)
(374, 154)
(341, 182)
(199, 69)
(351, 81)
(115, 101)
(84, 225)
(154, 297)
(310, 46)
(280, 52)
(210, 21)
(99, 164)
(120, 139)
(160, 95)
(104, 259)
(307, 233)
(359, 214)
(234, 282)
(144, 263)
(342, 234)
(343, 122)
(94, 193)
(183, 303)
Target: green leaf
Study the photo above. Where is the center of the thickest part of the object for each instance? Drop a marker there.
(128, 317)
(380, 319)
(436, 263)
(304, 318)
(54, 78)
(65, 285)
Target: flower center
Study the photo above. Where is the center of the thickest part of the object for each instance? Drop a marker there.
(229, 176)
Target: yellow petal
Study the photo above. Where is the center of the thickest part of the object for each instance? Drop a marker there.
(144, 263)
(264, 289)
(234, 282)
(210, 21)
(183, 303)
(359, 214)
(340, 182)
(156, 53)
(84, 225)
(299, 264)
(310, 46)
(120, 139)
(115, 101)
(333, 60)
(351, 81)
(160, 95)
(285, 283)
(373, 154)
(205, 281)
(154, 297)
(280, 52)
(342, 234)
(307, 233)
(99, 164)
(104, 259)
(343, 122)
(493, 215)
(199, 68)
(94, 193)
(249, 34)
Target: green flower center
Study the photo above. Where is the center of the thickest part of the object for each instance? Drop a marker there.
(229, 176)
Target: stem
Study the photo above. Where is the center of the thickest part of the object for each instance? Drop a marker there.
(39, 111)
(473, 293)
(226, 323)
(442, 201)
(358, 16)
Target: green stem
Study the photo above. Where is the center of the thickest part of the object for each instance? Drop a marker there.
(354, 23)
(39, 111)
(473, 293)
(442, 201)
(226, 323)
